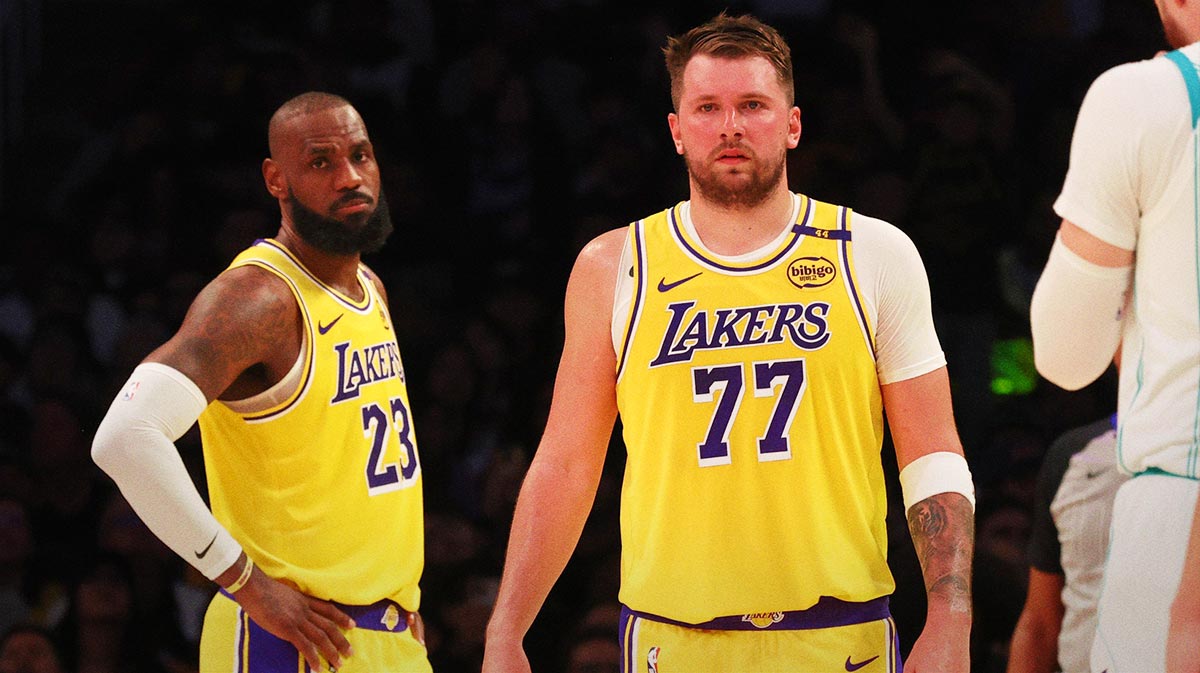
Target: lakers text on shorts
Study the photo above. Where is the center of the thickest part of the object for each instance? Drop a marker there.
(382, 641)
(773, 642)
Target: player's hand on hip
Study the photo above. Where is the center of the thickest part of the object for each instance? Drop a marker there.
(504, 657)
(313, 626)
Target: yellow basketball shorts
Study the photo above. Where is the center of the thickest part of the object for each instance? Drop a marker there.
(382, 641)
(832, 636)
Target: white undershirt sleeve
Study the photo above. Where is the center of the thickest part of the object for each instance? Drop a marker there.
(1075, 316)
(135, 446)
(895, 291)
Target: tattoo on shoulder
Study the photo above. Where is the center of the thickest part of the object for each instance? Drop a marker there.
(241, 315)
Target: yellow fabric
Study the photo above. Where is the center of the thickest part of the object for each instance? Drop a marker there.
(324, 488)
(656, 647)
(758, 526)
(225, 647)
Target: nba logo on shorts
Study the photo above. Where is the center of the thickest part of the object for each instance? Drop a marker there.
(652, 660)
(131, 390)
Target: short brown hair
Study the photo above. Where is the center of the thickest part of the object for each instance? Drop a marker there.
(729, 37)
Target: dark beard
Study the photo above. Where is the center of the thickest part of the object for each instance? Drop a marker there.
(724, 195)
(360, 233)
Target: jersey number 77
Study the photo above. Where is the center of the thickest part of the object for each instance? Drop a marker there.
(783, 379)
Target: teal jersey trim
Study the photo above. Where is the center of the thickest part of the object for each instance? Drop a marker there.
(1159, 472)
(1190, 78)
(1192, 81)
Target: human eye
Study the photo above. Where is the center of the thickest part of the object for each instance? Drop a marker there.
(707, 107)
(319, 162)
(753, 105)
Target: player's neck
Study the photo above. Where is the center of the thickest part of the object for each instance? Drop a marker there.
(337, 271)
(738, 230)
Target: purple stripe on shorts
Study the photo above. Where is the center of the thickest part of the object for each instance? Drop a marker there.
(270, 654)
(897, 663)
(624, 640)
(827, 613)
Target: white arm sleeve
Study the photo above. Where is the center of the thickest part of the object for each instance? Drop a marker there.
(1075, 316)
(135, 446)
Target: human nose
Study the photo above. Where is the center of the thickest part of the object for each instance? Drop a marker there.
(732, 124)
(348, 176)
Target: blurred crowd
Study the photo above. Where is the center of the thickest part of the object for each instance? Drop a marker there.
(509, 133)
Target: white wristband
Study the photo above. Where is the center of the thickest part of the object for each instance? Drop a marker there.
(134, 445)
(934, 473)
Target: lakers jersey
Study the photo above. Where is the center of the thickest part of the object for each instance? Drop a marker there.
(322, 486)
(753, 422)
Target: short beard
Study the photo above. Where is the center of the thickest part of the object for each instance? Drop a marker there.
(360, 233)
(761, 185)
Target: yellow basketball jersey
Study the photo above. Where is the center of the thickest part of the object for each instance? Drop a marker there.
(753, 422)
(324, 487)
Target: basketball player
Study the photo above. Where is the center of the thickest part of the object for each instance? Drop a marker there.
(289, 360)
(1131, 191)
(751, 339)
(1073, 508)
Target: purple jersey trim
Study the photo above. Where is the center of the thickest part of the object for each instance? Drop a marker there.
(639, 287)
(302, 389)
(715, 264)
(834, 234)
(844, 227)
(363, 279)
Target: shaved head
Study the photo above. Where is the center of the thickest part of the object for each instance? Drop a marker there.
(304, 104)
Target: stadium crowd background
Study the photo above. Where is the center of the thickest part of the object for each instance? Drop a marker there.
(509, 134)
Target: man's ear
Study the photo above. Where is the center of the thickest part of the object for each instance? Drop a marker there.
(793, 136)
(273, 177)
(676, 136)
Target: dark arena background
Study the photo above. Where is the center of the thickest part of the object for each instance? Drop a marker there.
(509, 134)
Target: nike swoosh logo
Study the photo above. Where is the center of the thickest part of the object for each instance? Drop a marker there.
(321, 329)
(850, 666)
(663, 285)
(204, 552)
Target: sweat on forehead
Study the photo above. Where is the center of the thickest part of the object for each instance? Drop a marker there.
(304, 104)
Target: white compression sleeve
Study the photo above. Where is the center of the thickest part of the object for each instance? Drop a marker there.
(1075, 317)
(135, 446)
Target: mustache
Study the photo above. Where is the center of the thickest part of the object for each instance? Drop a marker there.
(350, 198)
(735, 145)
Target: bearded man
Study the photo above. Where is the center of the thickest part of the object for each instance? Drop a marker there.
(289, 361)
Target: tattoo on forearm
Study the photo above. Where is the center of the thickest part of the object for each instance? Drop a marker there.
(943, 532)
(927, 518)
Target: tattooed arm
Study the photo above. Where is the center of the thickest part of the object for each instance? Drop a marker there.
(241, 334)
(942, 526)
(943, 532)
